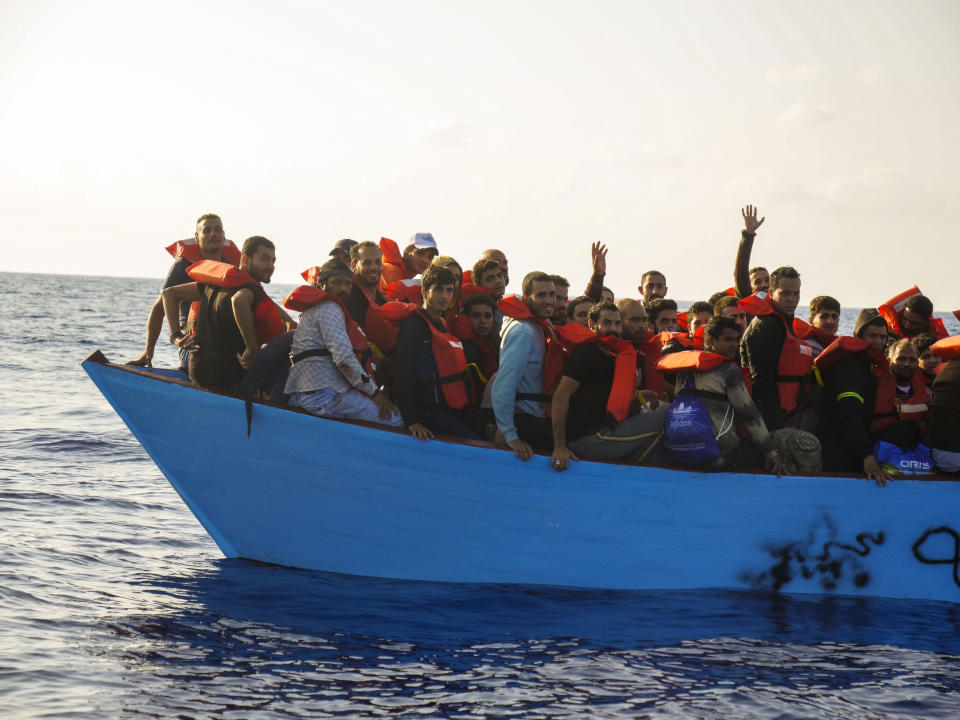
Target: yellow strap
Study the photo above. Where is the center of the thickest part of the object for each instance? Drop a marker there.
(480, 375)
(376, 351)
(641, 399)
(817, 376)
(854, 395)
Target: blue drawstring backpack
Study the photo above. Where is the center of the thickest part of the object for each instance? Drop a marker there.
(897, 461)
(688, 430)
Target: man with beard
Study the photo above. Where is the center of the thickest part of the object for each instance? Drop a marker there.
(236, 317)
(662, 315)
(594, 415)
(528, 347)
(912, 394)
(367, 263)
(563, 294)
(653, 284)
(779, 363)
(331, 375)
(501, 259)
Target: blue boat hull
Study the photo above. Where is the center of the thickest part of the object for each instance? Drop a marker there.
(330, 495)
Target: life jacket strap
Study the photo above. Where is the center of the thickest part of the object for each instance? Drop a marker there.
(314, 352)
(537, 397)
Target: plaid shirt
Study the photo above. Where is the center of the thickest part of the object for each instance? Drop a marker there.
(323, 326)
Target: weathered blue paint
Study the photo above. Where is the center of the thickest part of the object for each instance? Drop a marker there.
(329, 495)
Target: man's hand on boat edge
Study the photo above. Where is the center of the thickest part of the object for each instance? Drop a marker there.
(521, 449)
(560, 460)
(774, 463)
(875, 472)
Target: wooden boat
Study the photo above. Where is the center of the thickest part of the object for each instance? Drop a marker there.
(351, 498)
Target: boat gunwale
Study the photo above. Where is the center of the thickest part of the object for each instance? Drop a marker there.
(97, 357)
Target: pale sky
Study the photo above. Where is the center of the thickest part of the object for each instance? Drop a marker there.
(533, 127)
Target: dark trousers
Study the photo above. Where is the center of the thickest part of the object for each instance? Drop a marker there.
(444, 422)
(269, 373)
(536, 432)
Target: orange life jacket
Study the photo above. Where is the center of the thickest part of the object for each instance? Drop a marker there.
(648, 354)
(892, 308)
(887, 409)
(845, 346)
(691, 361)
(683, 320)
(190, 249)
(573, 335)
(796, 359)
(947, 349)
(468, 289)
(393, 267)
(555, 357)
(267, 320)
(756, 304)
(307, 296)
(406, 290)
(451, 365)
(463, 329)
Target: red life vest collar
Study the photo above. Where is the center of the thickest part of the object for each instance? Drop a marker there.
(691, 361)
(267, 320)
(190, 249)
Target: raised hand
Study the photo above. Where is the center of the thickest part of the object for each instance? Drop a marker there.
(598, 254)
(750, 223)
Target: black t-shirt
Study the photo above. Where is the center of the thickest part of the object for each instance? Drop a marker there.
(215, 364)
(177, 275)
(593, 369)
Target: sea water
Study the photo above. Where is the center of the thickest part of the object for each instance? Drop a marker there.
(114, 602)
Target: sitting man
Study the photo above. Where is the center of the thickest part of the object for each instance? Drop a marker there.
(366, 259)
(332, 373)
(531, 360)
(431, 386)
(653, 284)
(210, 243)
(779, 363)
(912, 394)
(593, 406)
(662, 315)
(417, 256)
(858, 401)
(929, 362)
(578, 309)
(714, 378)
(235, 318)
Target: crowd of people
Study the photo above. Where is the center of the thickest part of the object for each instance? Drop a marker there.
(412, 339)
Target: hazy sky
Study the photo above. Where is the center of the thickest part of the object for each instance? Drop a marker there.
(533, 127)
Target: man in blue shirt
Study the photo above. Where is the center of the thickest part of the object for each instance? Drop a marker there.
(518, 391)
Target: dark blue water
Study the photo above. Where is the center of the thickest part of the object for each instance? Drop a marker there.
(114, 603)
